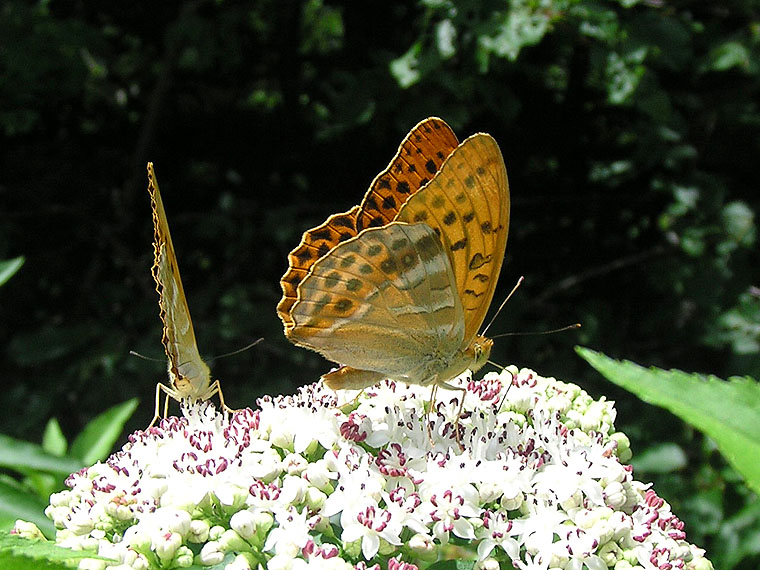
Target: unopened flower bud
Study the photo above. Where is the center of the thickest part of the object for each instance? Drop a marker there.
(166, 546)
(211, 553)
(27, 530)
(231, 541)
(199, 531)
(244, 523)
(315, 499)
(423, 547)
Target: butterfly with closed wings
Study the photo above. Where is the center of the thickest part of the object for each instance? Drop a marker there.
(189, 375)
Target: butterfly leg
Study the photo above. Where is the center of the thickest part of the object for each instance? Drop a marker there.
(216, 388)
(160, 387)
(431, 406)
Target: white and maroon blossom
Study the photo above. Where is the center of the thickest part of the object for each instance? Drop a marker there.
(391, 461)
(398, 564)
(370, 524)
(406, 507)
(450, 511)
(497, 530)
(291, 533)
(301, 485)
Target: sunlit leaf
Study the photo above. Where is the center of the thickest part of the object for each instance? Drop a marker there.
(9, 267)
(727, 411)
(98, 437)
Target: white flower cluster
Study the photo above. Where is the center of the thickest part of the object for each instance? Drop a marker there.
(526, 473)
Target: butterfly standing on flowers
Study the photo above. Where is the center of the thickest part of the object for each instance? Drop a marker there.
(399, 286)
(189, 376)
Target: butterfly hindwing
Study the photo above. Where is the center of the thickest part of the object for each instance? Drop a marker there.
(379, 301)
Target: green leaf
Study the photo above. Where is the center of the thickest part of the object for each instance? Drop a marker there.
(405, 69)
(98, 437)
(9, 267)
(24, 456)
(53, 440)
(18, 503)
(663, 458)
(727, 411)
(17, 553)
(453, 565)
(728, 55)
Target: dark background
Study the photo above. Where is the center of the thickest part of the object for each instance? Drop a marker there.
(630, 130)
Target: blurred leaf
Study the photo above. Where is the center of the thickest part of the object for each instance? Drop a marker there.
(662, 458)
(739, 221)
(53, 440)
(19, 503)
(740, 534)
(739, 327)
(17, 553)
(9, 267)
(728, 55)
(727, 411)
(452, 565)
(99, 436)
(24, 456)
(406, 68)
(50, 343)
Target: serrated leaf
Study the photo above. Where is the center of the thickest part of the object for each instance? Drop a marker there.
(24, 456)
(97, 439)
(16, 503)
(727, 411)
(17, 553)
(9, 267)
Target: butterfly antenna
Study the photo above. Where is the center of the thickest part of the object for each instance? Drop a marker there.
(238, 351)
(504, 302)
(137, 354)
(562, 329)
(503, 368)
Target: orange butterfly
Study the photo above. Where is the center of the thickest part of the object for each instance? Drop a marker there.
(399, 286)
(189, 376)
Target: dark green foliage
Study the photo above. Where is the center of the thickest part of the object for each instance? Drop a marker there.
(630, 130)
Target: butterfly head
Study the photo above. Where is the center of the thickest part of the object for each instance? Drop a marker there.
(479, 351)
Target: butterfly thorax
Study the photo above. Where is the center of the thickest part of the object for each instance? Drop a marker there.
(440, 368)
(190, 379)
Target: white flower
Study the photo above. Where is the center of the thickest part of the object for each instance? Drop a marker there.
(370, 524)
(448, 510)
(291, 533)
(497, 530)
(532, 474)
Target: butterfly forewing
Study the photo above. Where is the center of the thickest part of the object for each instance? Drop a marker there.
(467, 204)
(381, 300)
(418, 158)
(190, 376)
